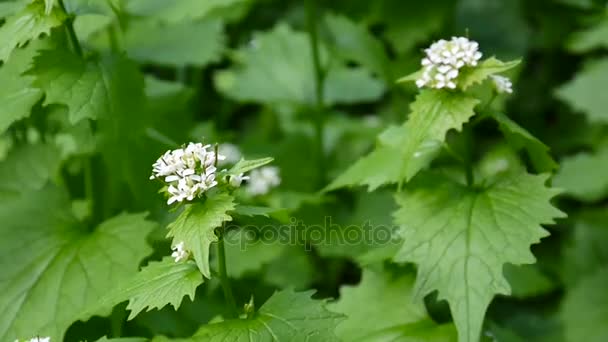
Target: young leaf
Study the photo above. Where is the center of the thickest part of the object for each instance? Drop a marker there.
(406, 150)
(54, 268)
(156, 285)
(17, 93)
(584, 312)
(26, 25)
(481, 72)
(243, 165)
(287, 315)
(277, 67)
(461, 238)
(594, 185)
(518, 137)
(171, 45)
(85, 86)
(392, 309)
(585, 92)
(195, 227)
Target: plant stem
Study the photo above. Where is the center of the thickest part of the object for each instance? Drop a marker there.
(221, 261)
(69, 25)
(468, 155)
(319, 110)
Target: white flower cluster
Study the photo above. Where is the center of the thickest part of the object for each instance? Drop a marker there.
(502, 84)
(443, 62)
(231, 152)
(263, 179)
(188, 171)
(179, 252)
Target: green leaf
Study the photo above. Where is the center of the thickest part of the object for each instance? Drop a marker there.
(48, 6)
(243, 165)
(461, 237)
(86, 87)
(195, 226)
(147, 41)
(593, 38)
(85, 7)
(54, 267)
(156, 285)
(584, 312)
(519, 138)
(277, 67)
(29, 168)
(405, 150)
(177, 11)
(354, 42)
(585, 92)
(247, 254)
(17, 93)
(392, 307)
(28, 24)
(583, 176)
(476, 75)
(286, 316)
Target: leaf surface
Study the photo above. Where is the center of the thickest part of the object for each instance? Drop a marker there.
(461, 238)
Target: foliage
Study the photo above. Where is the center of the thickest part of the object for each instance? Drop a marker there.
(332, 197)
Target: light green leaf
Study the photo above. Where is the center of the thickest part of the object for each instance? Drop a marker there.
(354, 42)
(584, 312)
(28, 168)
(593, 38)
(177, 11)
(195, 227)
(519, 138)
(27, 24)
(286, 316)
(85, 7)
(54, 267)
(171, 45)
(585, 92)
(392, 307)
(84, 86)
(17, 93)
(156, 285)
(243, 165)
(250, 210)
(405, 150)
(583, 176)
(461, 237)
(476, 75)
(277, 67)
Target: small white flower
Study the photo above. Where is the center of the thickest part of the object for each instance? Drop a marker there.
(179, 253)
(502, 84)
(188, 171)
(443, 61)
(263, 179)
(231, 151)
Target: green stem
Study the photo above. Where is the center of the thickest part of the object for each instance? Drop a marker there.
(319, 111)
(69, 25)
(221, 261)
(468, 159)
